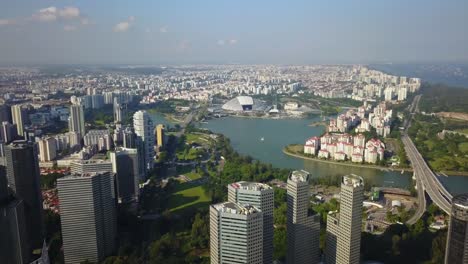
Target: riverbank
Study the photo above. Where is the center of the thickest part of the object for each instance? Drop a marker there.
(376, 167)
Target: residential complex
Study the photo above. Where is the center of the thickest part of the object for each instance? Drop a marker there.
(303, 225)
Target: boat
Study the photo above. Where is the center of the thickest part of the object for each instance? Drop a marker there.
(262, 139)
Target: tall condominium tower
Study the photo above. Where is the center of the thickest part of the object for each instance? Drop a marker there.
(118, 111)
(302, 224)
(18, 116)
(76, 121)
(125, 166)
(22, 168)
(236, 234)
(88, 216)
(261, 196)
(47, 149)
(457, 238)
(160, 135)
(144, 128)
(344, 229)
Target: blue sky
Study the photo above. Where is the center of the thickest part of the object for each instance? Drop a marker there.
(222, 31)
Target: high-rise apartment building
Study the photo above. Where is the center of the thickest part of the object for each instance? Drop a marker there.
(22, 169)
(18, 118)
(457, 237)
(125, 166)
(76, 121)
(344, 229)
(118, 111)
(47, 149)
(303, 225)
(8, 132)
(144, 129)
(88, 216)
(236, 234)
(160, 135)
(261, 196)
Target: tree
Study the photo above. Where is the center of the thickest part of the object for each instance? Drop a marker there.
(438, 248)
(199, 235)
(396, 245)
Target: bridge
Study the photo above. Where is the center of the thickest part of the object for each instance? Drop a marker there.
(426, 180)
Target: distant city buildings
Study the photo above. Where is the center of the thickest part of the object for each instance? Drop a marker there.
(303, 225)
(457, 237)
(76, 121)
(88, 216)
(18, 116)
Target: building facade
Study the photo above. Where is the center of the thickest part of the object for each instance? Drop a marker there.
(302, 224)
(125, 166)
(88, 216)
(261, 196)
(18, 116)
(457, 237)
(236, 234)
(144, 129)
(76, 121)
(22, 169)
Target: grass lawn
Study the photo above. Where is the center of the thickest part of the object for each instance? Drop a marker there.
(193, 175)
(463, 147)
(187, 196)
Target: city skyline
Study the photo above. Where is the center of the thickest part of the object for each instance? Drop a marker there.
(303, 32)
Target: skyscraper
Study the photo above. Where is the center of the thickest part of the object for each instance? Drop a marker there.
(23, 178)
(118, 113)
(144, 128)
(125, 166)
(457, 237)
(18, 116)
(76, 121)
(345, 228)
(160, 135)
(9, 132)
(236, 234)
(13, 240)
(47, 149)
(303, 225)
(88, 216)
(261, 196)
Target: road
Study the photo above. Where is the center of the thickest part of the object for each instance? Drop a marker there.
(426, 180)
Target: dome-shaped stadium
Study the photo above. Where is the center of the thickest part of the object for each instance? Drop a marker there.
(244, 103)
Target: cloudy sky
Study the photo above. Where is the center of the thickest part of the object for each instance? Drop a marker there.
(232, 31)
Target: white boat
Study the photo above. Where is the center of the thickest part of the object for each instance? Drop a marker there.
(262, 139)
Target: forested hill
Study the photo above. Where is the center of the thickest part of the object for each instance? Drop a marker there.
(443, 98)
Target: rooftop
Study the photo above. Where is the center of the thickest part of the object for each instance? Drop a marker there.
(81, 176)
(352, 180)
(233, 208)
(461, 201)
(299, 176)
(253, 186)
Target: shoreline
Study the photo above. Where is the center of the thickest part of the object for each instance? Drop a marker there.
(375, 167)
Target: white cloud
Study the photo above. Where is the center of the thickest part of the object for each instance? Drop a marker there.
(52, 13)
(7, 22)
(233, 41)
(69, 28)
(221, 42)
(69, 12)
(46, 14)
(85, 21)
(163, 29)
(124, 25)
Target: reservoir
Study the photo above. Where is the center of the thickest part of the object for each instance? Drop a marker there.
(264, 139)
(246, 136)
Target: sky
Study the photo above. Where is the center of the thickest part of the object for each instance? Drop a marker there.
(232, 31)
